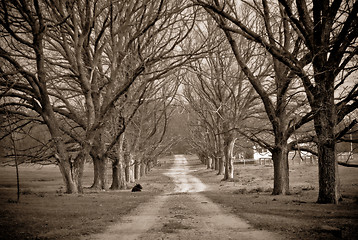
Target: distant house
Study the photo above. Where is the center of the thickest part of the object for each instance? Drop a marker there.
(261, 153)
(264, 154)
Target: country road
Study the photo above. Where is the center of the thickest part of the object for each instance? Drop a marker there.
(182, 214)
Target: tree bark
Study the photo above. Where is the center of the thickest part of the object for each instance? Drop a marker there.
(118, 170)
(71, 169)
(228, 152)
(149, 167)
(119, 182)
(77, 171)
(115, 176)
(329, 190)
(209, 162)
(118, 176)
(280, 151)
(142, 169)
(137, 167)
(95, 183)
(129, 167)
(99, 163)
(214, 165)
(127, 171)
(100, 173)
(118, 173)
(221, 160)
(221, 163)
(65, 170)
(281, 170)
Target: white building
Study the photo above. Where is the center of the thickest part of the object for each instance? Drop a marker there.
(261, 153)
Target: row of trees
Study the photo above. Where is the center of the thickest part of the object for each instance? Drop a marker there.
(99, 74)
(102, 76)
(292, 86)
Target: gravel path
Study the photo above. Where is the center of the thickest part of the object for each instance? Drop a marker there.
(182, 214)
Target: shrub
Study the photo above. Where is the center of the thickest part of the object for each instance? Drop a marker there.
(27, 192)
(240, 191)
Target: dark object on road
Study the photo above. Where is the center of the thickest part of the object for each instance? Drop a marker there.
(137, 188)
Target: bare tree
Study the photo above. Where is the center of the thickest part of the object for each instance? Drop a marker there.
(327, 34)
(101, 63)
(223, 95)
(77, 59)
(24, 27)
(279, 95)
(148, 129)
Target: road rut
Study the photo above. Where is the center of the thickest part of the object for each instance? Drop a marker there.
(183, 213)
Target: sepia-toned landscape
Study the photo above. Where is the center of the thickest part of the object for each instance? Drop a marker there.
(168, 119)
(45, 212)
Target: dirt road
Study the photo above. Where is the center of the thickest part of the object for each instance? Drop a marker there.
(182, 214)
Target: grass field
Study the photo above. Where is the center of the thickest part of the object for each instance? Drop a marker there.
(297, 216)
(45, 212)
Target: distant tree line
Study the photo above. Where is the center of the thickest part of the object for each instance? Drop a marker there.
(99, 75)
(109, 81)
(293, 85)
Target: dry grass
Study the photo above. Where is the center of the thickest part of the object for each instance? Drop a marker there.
(297, 215)
(65, 216)
(44, 212)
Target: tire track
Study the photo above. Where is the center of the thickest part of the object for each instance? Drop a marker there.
(183, 214)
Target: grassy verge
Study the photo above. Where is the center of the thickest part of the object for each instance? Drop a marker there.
(297, 215)
(44, 212)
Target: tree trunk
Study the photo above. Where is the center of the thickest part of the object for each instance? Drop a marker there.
(209, 163)
(123, 184)
(137, 170)
(77, 172)
(100, 172)
(127, 172)
(228, 151)
(115, 176)
(217, 162)
(324, 122)
(142, 169)
(71, 169)
(65, 170)
(221, 168)
(126, 161)
(95, 183)
(281, 170)
(118, 176)
(217, 153)
(118, 172)
(201, 157)
(131, 169)
(329, 190)
(149, 166)
(214, 162)
(221, 160)
(99, 163)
